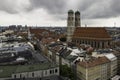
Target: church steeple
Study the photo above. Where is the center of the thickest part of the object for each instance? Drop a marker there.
(70, 25)
(77, 19)
(73, 21)
(70, 19)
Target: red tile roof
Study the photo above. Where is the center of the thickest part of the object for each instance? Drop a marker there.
(94, 62)
(97, 33)
(38, 31)
(48, 40)
(41, 33)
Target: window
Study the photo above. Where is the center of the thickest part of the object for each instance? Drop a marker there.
(72, 18)
(50, 71)
(50, 56)
(108, 43)
(20, 76)
(56, 70)
(75, 19)
(45, 72)
(14, 76)
(98, 79)
(32, 74)
(102, 44)
(53, 71)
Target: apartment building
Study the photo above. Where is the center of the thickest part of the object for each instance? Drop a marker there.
(93, 69)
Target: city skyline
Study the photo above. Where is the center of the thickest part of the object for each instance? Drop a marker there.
(54, 13)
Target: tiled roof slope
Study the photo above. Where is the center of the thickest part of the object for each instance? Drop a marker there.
(37, 30)
(94, 62)
(40, 33)
(91, 33)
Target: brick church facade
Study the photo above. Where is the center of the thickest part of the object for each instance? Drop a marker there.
(97, 37)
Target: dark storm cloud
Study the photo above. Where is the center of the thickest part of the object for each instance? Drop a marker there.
(95, 9)
(92, 9)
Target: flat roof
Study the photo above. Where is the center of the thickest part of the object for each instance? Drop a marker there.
(34, 67)
(7, 71)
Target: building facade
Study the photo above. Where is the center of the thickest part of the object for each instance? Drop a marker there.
(97, 69)
(113, 64)
(70, 25)
(97, 37)
(37, 74)
(35, 71)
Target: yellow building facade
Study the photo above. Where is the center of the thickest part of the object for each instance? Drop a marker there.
(98, 69)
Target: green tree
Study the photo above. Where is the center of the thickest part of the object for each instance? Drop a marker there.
(66, 71)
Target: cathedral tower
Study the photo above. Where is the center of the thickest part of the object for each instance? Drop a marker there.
(77, 19)
(70, 25)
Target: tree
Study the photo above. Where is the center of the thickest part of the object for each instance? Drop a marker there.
(66, 71)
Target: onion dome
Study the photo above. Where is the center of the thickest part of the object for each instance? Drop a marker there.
(77, 12)
(71, 11)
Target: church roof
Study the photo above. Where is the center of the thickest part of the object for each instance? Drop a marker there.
(97, 33)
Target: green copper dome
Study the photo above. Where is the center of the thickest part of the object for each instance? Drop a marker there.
(77, 12)
(70, 11)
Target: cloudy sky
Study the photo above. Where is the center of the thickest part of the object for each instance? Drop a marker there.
(54, 12)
